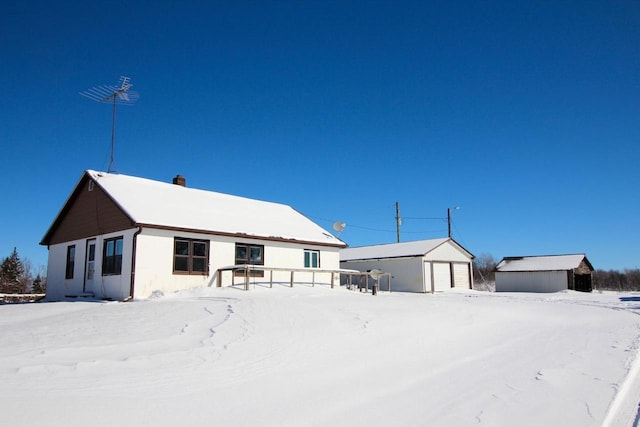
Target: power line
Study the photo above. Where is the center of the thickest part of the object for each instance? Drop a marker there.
(362, 227)
(421, 217)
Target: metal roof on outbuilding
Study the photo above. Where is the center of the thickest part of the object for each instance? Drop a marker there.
(542, 263)
(395, 250)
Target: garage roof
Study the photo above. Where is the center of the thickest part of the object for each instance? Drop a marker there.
(542, 263)
(395, 250)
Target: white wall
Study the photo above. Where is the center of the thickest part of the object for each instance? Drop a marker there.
(57, 285)
(406, 273)
(531, 281)
(416, 274)
(447, 252)
(111, 287)
(154, 265)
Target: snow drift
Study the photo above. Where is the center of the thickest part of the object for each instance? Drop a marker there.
(315, 356)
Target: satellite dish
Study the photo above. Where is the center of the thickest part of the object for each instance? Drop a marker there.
(339, 226)
(375, 274)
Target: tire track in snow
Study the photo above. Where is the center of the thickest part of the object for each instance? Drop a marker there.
(625, 407)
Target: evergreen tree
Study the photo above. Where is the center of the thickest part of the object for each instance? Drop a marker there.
(39, 286)
(11, 271)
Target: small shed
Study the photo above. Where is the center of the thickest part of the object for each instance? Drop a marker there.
(548, 273)
(420, 266)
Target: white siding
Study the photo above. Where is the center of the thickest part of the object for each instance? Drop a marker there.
(531, 281)
(428, 277)
(57, 285)
(447, 252)
(428, 273)
(447, 260)
(114, 287)
(406, 273)
(154, 266)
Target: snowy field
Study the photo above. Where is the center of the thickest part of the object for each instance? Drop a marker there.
(315, 356)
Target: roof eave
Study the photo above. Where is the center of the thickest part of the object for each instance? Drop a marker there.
(46, 239)
(242, 235)
(65, 208)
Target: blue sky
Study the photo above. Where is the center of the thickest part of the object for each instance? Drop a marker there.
(524, 115)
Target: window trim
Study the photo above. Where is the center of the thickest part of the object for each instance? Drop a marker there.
(112, 268)
(71, 262)
(190, 257)
(311, 252)
(238, 261)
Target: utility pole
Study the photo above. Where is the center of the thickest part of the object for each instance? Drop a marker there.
(449, 219)
(398, 221)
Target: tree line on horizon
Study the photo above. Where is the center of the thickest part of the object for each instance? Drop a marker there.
(18, 276)
(484, 276)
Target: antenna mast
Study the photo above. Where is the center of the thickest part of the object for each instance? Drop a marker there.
(119, 94)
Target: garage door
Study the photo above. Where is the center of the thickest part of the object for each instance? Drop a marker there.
(461, 276)
(441, 276)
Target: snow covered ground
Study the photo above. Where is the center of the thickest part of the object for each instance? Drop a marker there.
(315, 356)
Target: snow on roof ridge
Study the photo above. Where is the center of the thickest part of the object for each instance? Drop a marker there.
(392, 250)
(541, 262)
(542, 256)
(98, 175)
(158, 203)
(400, 243)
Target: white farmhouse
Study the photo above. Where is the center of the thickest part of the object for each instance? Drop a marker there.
(548, 273)
(419, 266)
(119, 237)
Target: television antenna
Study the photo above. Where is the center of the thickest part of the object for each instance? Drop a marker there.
(116, 95)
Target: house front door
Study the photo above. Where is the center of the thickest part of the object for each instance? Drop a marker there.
(90, 266)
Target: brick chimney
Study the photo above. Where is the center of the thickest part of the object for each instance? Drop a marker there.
(180, 180)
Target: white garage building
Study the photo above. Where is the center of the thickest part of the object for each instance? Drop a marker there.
(419, 266)
(547, 273)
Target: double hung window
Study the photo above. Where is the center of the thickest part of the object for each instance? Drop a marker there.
(112, 256)
(250, 254)
(190, 256)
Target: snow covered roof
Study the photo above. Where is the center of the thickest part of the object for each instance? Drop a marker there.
(393, 250)
(154, 203)
(541, 263)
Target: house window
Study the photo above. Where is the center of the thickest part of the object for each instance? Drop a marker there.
(112, 256)
(250, 254)
(190, 256)
(71, 261)
(311, 259)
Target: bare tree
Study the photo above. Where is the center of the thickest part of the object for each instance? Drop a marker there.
(26, 278)
(484, 276)
(614, 280)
